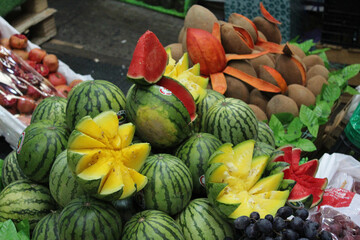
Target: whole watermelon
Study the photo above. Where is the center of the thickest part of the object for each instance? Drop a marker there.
(38, 147)
(160, 117)
(51, 108)
(199, 221)
(62, 184)
(169, 186)
(126, 208)
(47, 227)
(152, 224)
(231, 120)
(24, 199)
(265, 134)
(89, 218)
(11, 170)
(90, 98)
(195, 152)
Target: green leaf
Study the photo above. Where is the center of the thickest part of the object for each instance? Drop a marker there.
(284, 118)
(325, 59)
(303, 160)
(337, 79)
(307, 45)
(322, 109)
(309, 119)
(294, 40)
(305, 145)
(24, 227)
(294, 130)
(351, 90)
(330, 92)
(351, 71)
(317, 51)
(8, 231)
(276, 126)
(322, 120)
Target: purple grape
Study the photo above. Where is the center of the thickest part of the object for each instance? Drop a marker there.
(242, 222)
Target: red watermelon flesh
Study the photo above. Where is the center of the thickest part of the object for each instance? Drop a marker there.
(181, 93)
(299, 192)
(149, 60)
(308, 168)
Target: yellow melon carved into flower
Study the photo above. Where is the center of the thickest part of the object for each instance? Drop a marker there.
(102, 158)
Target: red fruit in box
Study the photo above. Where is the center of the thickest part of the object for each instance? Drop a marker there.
(31, 63)
(37, 55)
(5, 42)
(63, 89)
(75, 82)
(6, 100)
(18, 41)
(21, 53)
(52, 62)
(42, 69)
(33, 92)
(25, 105)
(57, 79)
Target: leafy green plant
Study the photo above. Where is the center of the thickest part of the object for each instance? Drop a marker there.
(11, 231)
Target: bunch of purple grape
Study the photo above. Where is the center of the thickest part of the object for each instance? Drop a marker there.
(286, 225)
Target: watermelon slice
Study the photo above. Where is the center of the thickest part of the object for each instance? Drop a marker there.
(308, 168)
(149, 60)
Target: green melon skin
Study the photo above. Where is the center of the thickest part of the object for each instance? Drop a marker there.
(200, 221)
(37, 151)
(231, 120)
(90, 98)
(62, 184)
(11, 170)
(88, 218)
(195, 153)
(152, 224)
(265, 134)
(51, 108)
(169, 186)
(24, 199)
(47, 227)
(161, 120)
(262, 148)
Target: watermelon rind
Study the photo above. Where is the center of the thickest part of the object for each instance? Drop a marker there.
(262, 148)
(265, 134)
(11, 170)
(51, 108)
(47, 227)
(152, 224)
(303, 202)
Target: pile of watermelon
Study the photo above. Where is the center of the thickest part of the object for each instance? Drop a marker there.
(153, 164)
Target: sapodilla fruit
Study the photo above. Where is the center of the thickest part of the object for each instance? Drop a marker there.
(281, 104)
(261, 35)
(297, 51)
(176, 51)
(236, 89)
(288, 69)
(317, 70)
(244, 22)
(262, 60)
(200, 17)
(315, 84)
(312, 60)
(258, 99)
(301, 95)
(232, 41)
(244, 66)
(260, 114)
(270, 30)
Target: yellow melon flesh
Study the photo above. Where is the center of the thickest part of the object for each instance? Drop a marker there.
(107, 121)
(258, 166)
(114, 182)
(126, 133)
(89, 158)
(139, 179)
(195, 69)
(129, 186)
(135, 155)
(98, 170)
(87, 126)
(270, 183)
(82, 141)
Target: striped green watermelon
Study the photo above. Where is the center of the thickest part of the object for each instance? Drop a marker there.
(262, 148)
(11, 170)
(199, 220)
(195, 153)
(231, 120)
(265, 134)
(51, 108)
(62, 184)
(90, 98)
(38, 147)
(24, 199)
(203, 106)
(88, 218)
(152, 224)
(47, 227)
(169, 186)
(161, 112)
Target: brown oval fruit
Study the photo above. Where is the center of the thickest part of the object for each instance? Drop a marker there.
(270, 30)
(288, 69)
(262, 60)
(245, 23)
(312, 60)
(258, 99)
(301, 95)
(261, 35)
(244, 66)
(176, 51)
(181, 34)
(51, 61)
(266, 76)
(297, 51)
(236, 89)
(315, 84)
(317, 70)
(200, 17)
(231, 40)
(260, 115)
(281, 104)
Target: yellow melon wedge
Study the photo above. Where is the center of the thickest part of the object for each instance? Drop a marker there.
(134, 156)
(108, 122)
(129, 184)
(126, 133)
(195, 69)
(89, 158)
(87, 126)
(139, 179)
(270, 183)
(270, 205)
(200, 81)
(171, 62)
(247, 206)
(258, 166)
(219, 174)
(79, 140)
(98, 170)
(243, 153)
(113, 183)
(278, 195)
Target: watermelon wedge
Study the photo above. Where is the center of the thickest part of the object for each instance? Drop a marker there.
(308, 168)
(149, 60)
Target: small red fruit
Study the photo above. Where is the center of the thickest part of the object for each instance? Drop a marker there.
(6, 100)
(31, 63)
(75, 82)
(33, 92)
(42, 69)
(52, 62)
(63, 89)
(57, 79)
(25, 105)
(18, 41)
(37, 54)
